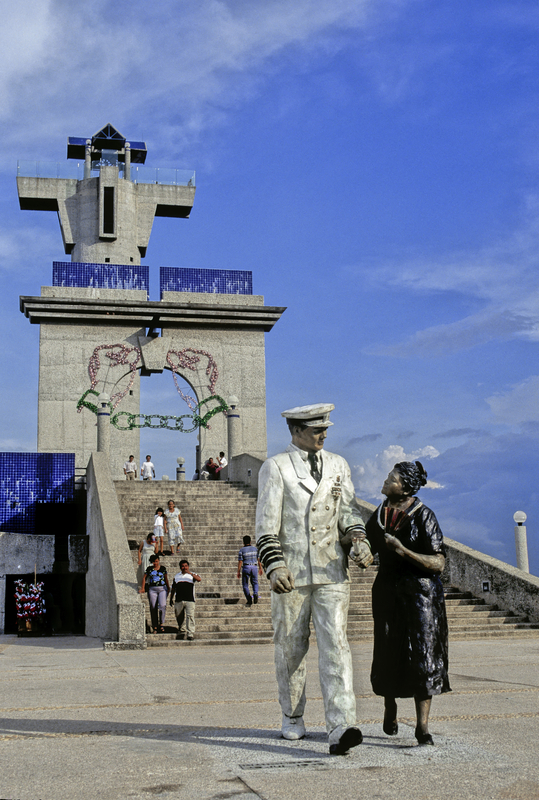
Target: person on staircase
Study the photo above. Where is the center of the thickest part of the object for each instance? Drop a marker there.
(156, 580)
(159, 530)
(130, 469)
(174, 527)
(145, 551)
(182, 597)
(147, 471)
(210, 469)
(249, 568)
(222, 463)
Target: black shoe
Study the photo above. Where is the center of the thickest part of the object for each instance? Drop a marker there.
(249, 602)
(391, 728)
(180, 636)
(350, 738)
(255, 599)
(423, 738)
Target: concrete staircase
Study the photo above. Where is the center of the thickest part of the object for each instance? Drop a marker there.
(216, 516)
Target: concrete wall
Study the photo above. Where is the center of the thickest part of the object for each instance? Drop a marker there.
(64, 355)
(509, 587)
(244, 462)
(114, 608)
(80, 212)
(467, 569)
(65, 351)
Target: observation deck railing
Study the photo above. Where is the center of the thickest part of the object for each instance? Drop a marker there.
(167, 176)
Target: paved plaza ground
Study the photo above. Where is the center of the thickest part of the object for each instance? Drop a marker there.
(197, 722)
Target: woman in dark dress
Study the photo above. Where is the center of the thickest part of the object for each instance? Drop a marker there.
(410, 625)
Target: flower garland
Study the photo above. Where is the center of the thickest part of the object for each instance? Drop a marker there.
(118, 355)
(186, 361)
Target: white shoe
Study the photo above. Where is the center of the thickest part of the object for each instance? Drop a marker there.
(293, 728)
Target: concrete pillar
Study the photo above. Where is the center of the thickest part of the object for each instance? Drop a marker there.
(103, 424)
(233, 424)
(180, 469)
(88, 159)
(127, 169)
(521, 541)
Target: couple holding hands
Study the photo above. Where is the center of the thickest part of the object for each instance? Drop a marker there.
(308, 523)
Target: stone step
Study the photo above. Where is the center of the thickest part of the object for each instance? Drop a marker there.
(216, 516)
(254, 618)
(162, 640)
(169, 640)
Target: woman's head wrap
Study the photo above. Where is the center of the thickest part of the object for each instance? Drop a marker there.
(412, 474)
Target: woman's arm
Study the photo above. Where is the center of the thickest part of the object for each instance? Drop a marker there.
(434, 563)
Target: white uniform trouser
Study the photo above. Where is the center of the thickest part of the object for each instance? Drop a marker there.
(327, 605)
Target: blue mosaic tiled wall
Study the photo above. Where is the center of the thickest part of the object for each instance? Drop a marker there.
(101, 276)
(27, 479)
(212, 281)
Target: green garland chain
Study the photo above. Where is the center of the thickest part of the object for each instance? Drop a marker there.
(163, 420)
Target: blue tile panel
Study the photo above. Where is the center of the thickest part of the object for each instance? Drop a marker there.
(211, 281)
(101, 276)
(27, 479)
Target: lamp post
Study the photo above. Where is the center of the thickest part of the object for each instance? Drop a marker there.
(521, 541)
(233, 424)
(180, 469)
(103, 423)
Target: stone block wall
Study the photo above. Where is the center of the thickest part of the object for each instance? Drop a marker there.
(114, 608)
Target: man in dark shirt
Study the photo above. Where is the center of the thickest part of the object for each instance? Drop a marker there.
(183, 589)
(250, 568)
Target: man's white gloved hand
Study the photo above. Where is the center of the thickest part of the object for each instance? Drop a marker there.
(281, 580)
(360, 553)
(351, 535)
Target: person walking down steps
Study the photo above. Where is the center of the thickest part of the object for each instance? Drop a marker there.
(182, 597)
(159, 530)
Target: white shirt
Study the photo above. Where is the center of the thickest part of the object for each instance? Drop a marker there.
(130, 466)
(147, 469)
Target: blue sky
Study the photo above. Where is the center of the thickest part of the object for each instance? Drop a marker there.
(376, 166)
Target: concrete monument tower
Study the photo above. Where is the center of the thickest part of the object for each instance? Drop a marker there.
(100, 332)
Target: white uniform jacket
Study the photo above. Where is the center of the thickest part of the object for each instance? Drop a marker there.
(298, 521)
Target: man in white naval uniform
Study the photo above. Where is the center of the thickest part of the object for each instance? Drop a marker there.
(306, 520)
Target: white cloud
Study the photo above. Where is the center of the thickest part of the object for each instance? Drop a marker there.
(22, 247)
(17, 445)
(519, 405)
(502, 276)
(75, 67)
(473, 534)
(369, 476)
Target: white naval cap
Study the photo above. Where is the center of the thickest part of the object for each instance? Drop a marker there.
(315, 416)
